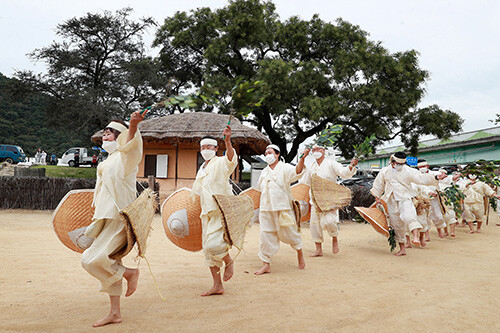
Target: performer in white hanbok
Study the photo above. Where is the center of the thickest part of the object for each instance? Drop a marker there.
(450, 217)
(436, 214)
(277, 217)
(393, 186)
(213, 178)
(326, 168)
(116, 184)
(475, 191)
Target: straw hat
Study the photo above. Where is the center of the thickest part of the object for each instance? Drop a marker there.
(74, 212)
(254, 195)
(328, 195)
(375, 217)
(300, 192)
(137, 218)
(237, 214)
(181, 220)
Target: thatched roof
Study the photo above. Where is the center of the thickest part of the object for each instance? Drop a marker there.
(191, 127)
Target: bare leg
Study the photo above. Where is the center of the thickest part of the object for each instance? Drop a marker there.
(335, 245)
(132, 277)
(300, 259)
(229, 269)
(318, 252)
(415, 240)
(408, 242)
(266, 268)
(217, 288)
(114, 315)
(441, 233)
(446, 231)
(402, 250)
(422, 239)
(471, 227)
(452, 229)
(479, 224)
(427, 236)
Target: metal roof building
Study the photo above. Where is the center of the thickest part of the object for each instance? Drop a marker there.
(461, 148)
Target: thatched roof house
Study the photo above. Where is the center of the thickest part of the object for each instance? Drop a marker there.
(171, 145)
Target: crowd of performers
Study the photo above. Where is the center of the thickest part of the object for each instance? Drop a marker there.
(395, 186)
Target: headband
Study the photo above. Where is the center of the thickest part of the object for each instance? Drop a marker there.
(117, 126)
(422, 164)
(318, 146)
(399, 160)
(274, 147)
(208, 141)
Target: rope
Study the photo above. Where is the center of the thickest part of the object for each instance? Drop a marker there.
(154, 279)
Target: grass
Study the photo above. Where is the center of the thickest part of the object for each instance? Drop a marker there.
(67, 172)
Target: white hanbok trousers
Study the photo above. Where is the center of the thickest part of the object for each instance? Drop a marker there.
(323, 221)
(402, 217)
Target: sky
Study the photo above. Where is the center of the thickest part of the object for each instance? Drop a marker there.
(458, 40)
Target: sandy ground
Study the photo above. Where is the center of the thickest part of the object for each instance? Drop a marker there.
(452, 285)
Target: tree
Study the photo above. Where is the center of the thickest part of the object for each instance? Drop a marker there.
(316, 73)
(98, 71)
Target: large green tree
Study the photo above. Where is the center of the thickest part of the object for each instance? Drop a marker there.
(316, 73)
(98, 70)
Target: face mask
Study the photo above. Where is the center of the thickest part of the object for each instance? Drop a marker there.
(270, 159)
(398, 167)
(207, 154)
(110, 146)
(423, 170)
(472, 177)
(317, 155)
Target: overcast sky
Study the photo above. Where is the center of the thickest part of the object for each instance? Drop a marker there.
(458, 40)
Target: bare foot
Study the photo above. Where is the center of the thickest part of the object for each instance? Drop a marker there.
(427, 237)
(112, 318)
(452, 235)
(441, 233)
(265, 269)
(415, 241)
(132, 280)
(335, 245)
(408, 245)
(300, 259)
(228, 271)
(215, 290)
(498, 224)
(422, 240)
(316, 254)
(470, 231)
(400, 253)
(478, 231)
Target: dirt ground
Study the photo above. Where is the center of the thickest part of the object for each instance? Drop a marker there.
(452, 285)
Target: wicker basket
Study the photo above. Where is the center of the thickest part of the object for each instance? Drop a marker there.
(300, 192)
(328, 195)
(237, 214)
(376, 218)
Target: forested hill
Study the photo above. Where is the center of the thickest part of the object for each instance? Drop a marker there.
(23, 123)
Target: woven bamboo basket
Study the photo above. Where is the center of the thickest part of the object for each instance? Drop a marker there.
(300, 192)
(74, 211)
(237, 214)
(181, 220)
(375, 217)
(254, 195)
(422, 205)
(328, 195)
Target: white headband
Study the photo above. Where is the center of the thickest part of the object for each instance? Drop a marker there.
(274, 147)
(399, 160)
(422, 164)
(208, 141)
(317, 146)
(117, 126)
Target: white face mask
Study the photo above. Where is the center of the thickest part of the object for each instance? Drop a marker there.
(398, 167)
(207, 154)
(110, 146)
(472, 177)
(270, 159)
(423, 170)
(317, 155)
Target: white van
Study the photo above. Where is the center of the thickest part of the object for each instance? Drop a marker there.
(69, 157)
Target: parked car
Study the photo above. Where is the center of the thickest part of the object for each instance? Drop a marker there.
(12, 154)
(69, 157)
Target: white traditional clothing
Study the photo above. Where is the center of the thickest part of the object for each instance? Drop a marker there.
(425, 192)
(213, 178)
(450, 217)
(435, 214)
(394, 187)
(473, 202)
(115, 186)
(328, 169)
(277, 218)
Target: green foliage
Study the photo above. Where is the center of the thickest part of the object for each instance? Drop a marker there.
(453, 197)
(392, 239)
(484, 170)
(315, 73)
(493, 203)
(365, 148)
(247, 95)
(329, 136)
(23, 122)
(67, 172)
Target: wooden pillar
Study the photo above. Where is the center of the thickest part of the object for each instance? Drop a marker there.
(176, 164)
